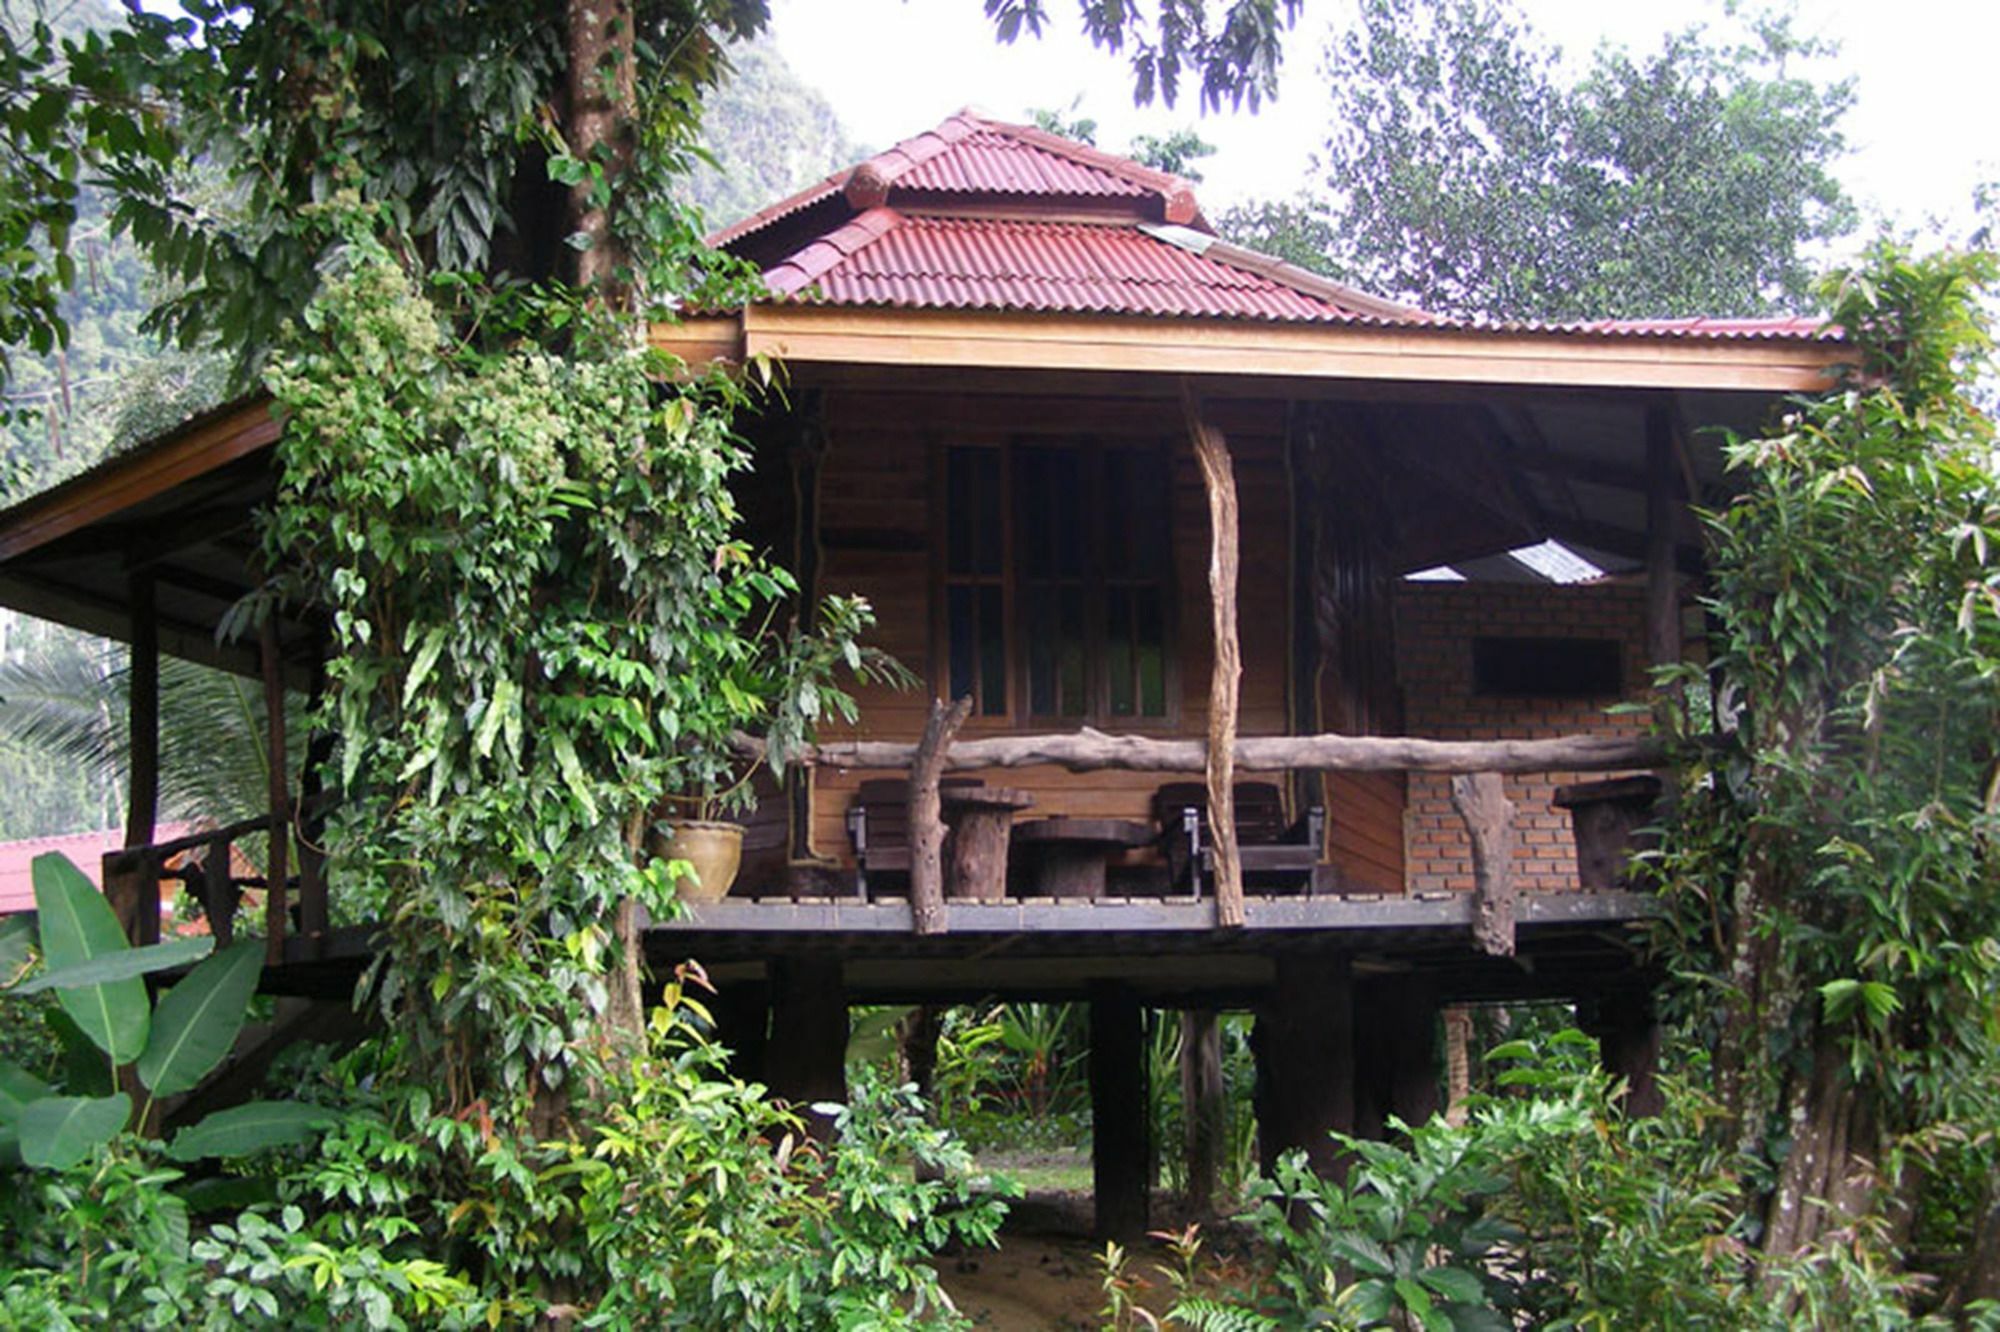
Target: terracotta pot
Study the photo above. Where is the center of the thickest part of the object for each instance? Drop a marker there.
(714, 848)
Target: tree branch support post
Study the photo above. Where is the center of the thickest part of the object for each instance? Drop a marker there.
(1481, 800)
(1218, 476)
(927, 815)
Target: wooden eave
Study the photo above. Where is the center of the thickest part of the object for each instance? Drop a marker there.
(802, 334)
(203, 445)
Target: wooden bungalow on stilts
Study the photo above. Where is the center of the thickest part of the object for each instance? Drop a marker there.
(1279, 625)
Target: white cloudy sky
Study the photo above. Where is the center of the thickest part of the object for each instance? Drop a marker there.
(1922, 130)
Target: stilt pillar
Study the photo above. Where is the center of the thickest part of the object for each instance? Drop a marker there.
(1304, 1047)
(1121, 1117)
(806, 1059)
(742, 1011)
(1628, 1042)
(1203, 1108)
(1395, 1055)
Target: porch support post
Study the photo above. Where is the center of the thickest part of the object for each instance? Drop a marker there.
(277, 869)
(1203, 1107)
(927, 815)
(1120, 1116)
(1396, 1055)
(1304, 1047)
(142, 716)
(1663, 602)
(131, 877)
(1481, 800)
(1218, 476)
(806, 1059)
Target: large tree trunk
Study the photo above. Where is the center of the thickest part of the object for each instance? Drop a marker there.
(603, 97)
(1829, 1177)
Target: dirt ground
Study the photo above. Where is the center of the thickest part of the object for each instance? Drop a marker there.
(1034, 1283)
(1046, 1276)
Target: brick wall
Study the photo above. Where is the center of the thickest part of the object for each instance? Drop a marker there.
(1435, 626)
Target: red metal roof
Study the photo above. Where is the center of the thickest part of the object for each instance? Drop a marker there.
(86, 850)
(884, 258)
(981, 215)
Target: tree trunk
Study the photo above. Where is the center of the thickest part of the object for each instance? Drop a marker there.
(603, 97)
(927, 817)
(1829, 1178)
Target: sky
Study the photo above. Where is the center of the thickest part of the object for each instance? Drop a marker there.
(1922, 132)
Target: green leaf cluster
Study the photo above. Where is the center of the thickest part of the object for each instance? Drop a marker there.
(98, 979)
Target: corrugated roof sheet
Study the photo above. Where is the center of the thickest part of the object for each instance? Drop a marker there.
(884, 258)
(946, 220)
(995, 163)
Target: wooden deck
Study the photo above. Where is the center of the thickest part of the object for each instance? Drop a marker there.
(1168, 949)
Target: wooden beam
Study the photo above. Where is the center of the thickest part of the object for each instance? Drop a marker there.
(1091, 750)
(801, 334)
(927, 817)
(1204, 1140)
(1481, 800)
(1218, 476)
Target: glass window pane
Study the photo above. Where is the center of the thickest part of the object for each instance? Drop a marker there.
(1118, 650)
(986, 503)
(963, 640)
(1074, 700)
(958, 515)
(992, 653)
(1150, 632)
(1038, 630)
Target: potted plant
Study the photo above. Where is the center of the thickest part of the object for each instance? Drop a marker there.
(753, 699)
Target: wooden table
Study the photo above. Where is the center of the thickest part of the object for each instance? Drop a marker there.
(979, 817)
(1067, 857)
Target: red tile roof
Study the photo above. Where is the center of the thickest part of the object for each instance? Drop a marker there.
(982, 215)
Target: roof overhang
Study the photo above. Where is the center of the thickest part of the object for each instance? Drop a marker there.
(803, 334)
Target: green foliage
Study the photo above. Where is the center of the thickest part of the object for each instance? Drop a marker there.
(97, 975)
(1235, 51)
(1831, 860)
(1465, 173)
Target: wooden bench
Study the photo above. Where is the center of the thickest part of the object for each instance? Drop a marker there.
(1267, 847)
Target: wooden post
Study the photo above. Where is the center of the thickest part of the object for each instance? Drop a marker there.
(1121, 1118)
(277, 856)
(1304, 1046)
(132, 878)
(1663, 601)
(315, 915)
(1203, 1109)
(806, 1057)
(927, 815)
(1628, 1044)
(1481, 800)
(1218, 476)
(742, 1012)
(142, 713)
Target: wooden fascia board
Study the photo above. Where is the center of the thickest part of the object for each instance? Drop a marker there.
(829, 335)
(701, 340)
(124, 482)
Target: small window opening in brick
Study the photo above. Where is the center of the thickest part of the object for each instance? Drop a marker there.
(1547, 667)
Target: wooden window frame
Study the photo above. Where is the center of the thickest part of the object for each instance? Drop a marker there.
(1097, 713)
